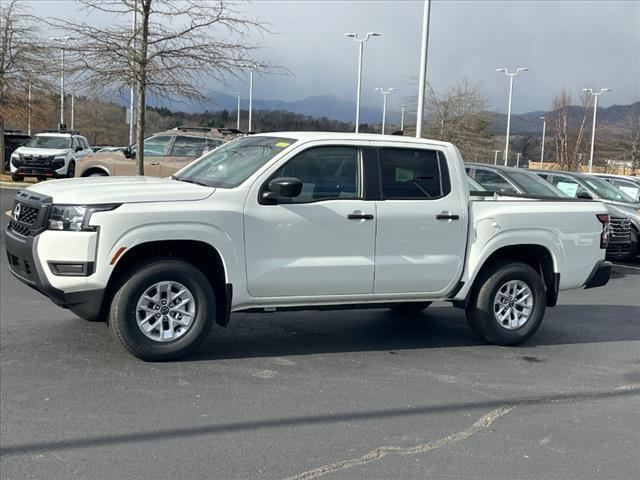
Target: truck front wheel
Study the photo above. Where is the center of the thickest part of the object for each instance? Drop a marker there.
(508, 304)
(163, 311)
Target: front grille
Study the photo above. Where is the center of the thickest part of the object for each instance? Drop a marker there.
(19, 229)
(620, 228)
(28, 214)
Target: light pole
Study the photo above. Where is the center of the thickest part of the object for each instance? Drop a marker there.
(593, 128)
(402, 107)
(518, 160)
(132, 116)
(511, 77)
(29, 110)
(424, 50)
(544, 130)
(237, 94)
(73, 109)
(251, 67)
(384, 93)
(62, 41)
(495, 157)
(361, 42)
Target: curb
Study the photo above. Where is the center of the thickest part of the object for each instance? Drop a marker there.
(14, 186)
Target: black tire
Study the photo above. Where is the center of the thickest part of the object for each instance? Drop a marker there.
(480, 312)
(16, 178)
(410, 307)
(123, 316)
(71, 169)
(96, 174)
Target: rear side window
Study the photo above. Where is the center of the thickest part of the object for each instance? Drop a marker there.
(568, 185)
(189, 146)
(413, 174)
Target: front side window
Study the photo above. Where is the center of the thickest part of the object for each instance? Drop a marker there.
(327, 173)
(188, 146)
(413, 174)
(49, 141)
(232, 163)
(157, 146)
(568, 185)
(493, 181)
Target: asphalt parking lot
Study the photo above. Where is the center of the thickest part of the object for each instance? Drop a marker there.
(332, 395)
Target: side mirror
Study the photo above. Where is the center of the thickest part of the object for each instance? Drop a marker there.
(78, 148)
(129, 152)
(584, 196)
(283, 187)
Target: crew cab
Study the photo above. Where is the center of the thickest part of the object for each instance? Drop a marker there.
(301, 220)
(49, 155)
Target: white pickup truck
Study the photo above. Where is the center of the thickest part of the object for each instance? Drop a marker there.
(301, 221)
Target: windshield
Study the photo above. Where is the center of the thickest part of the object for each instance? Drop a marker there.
(474, 186)
(49, 141)
(231, 164)
(534, 185)
(607, 191)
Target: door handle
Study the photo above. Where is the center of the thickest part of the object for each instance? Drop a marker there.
(360, 216)
(154, 163)
(447, 216)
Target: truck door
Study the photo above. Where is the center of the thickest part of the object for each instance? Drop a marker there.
(422, 222)
(322, 243)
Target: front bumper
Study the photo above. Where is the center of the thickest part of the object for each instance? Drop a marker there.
(599, 275)
(23, 265)
(39, 172)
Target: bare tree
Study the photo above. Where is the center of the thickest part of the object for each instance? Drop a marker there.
(634, 136)
(569, 136)
(22, 59)
(176, 46)
(459, 115)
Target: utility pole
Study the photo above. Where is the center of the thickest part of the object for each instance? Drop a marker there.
(424, 50)
(595, 95)
(544, 128)
(511, 77)
(73, 109)
(384, 93)
(361, 42)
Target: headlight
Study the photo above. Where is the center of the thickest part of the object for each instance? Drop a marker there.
(75, 217)
(15, 159)
(58, 162)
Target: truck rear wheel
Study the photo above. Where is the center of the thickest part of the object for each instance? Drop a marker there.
(163, 311)
(508, 304)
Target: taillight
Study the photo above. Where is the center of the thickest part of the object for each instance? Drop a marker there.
(604, 236)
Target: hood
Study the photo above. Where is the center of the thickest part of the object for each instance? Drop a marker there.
(41, 151)
(98, 190)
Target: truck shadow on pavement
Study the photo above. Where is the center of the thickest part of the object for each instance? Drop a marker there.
(306, 333)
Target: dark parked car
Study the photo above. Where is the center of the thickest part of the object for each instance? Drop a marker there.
(12, 140)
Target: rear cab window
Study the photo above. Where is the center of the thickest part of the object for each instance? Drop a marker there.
(413, 174)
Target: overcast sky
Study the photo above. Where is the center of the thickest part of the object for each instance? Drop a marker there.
(565, 43)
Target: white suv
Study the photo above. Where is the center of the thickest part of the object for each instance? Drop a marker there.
(49, 155)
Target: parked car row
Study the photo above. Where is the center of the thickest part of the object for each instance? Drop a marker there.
(624, 210)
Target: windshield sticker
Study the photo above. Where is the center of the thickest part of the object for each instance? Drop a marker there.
(569, 188)
(282, 144)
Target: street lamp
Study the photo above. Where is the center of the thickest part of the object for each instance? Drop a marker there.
(544, 129)
(29, 110)
(361, 42)
(237, 94)
(424, 50)
(402, 107)
(251, 66)
(62, 41)
(511, 76)
(384, 93)
(518, 160)
(593, 128)
(495, 157)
